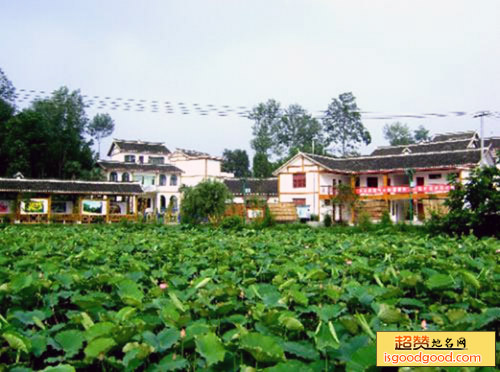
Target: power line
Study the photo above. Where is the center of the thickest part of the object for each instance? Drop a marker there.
(128, 104)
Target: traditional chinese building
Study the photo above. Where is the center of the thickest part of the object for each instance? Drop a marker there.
(396, 179)
(45, 200)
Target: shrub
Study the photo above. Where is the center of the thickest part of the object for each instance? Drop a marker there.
(233, 223)
(205, 202)
(474, 206)
(328, 220)
(385, 220)
(314, 217)
(364, 221)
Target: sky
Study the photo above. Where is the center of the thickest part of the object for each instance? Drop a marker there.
(395, 56)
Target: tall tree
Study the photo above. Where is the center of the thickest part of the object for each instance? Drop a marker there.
(297, 131)
(421, 134)
(7, 93)
(48, 139)
(343, 126)
(262, 167)
(236, 161)
(101, 126)
(398, 134)
(266, 117)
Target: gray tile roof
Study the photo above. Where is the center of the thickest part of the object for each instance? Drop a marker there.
(452, 145)
(266, 186)
(453, 136)
(69, 187)
(138, 147)
(118, 165)
(447, 159)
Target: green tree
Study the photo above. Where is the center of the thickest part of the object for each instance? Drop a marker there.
(343, 126)
(262, 167)
(205, 202)
(296, 131)
(236, 161)
(421, 134)
(398, 134)
(7, 108)
(101, 126)
(48, 139)
(474, 206)
(266, 117)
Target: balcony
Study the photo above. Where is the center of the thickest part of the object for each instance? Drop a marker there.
(390, 190)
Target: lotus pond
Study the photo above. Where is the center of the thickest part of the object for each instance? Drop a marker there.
(282, 299)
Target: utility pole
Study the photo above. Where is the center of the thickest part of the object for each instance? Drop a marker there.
(481, 115)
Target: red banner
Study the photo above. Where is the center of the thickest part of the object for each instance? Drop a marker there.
(402, 189)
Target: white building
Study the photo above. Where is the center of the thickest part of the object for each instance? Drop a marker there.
(160, 171)
(391, 179)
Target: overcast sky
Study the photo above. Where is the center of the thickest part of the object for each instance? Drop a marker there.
(396, 56)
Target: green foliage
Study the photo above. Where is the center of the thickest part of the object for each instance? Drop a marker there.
(473, 206)
(179, 299)
(237, 162)
(343, 126)
(266, 117)
(101, 126)
(47, 139)
(398, 134)
(327, 220)
(262, 167)
(233, 222)
(421, 134)
(364, 221)
(205, 202)
(385, 220)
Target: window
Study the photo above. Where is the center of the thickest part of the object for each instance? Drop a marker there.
(156, 160)
(125, 177)
(356, 182)
(299, 180)
(129, 158)
(163, 180)
(434, 176)
(372, 181)
(113, 177)
(173, 180)
(141, 159)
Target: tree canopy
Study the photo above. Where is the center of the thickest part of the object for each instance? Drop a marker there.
(205, 202)
(399, 133)
(101, 126)
(343, 126)
(237, 162)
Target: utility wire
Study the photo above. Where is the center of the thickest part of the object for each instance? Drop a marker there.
(169, 107)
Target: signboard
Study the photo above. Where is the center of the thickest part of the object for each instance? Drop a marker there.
(34, 206)
(5, 206)
(402, 189)
(303, 211)
(118, 208)
(61, 207)
(94, 207)
(254, 213)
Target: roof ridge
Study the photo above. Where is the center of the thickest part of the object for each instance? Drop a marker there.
(64, 181)
(396, 155)
(423, 143)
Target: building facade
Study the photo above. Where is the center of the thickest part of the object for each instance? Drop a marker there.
(160, 171)
(402, 180)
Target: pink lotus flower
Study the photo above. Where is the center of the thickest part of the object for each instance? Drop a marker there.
(183, 333)
(423, 324)
(498, 251)
(348, 262)
(163, 286)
